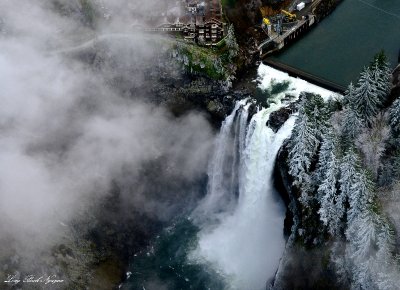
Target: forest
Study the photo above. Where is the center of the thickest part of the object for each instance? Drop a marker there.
(345, 166)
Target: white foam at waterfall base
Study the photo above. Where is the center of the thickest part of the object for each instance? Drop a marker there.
(245, 247)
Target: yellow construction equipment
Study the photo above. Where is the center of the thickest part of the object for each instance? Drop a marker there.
(266, 21)
(291, 16)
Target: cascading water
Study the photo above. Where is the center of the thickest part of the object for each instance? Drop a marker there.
(247, 244)
(234, 238)
(225, 165)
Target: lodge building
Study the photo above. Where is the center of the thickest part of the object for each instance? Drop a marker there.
(201, 22)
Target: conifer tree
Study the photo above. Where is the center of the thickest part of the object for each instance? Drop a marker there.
(348, 171)
(302, 147)
(330, 211)
(317, 112)
(370, 250)
(385, 241)
(361, 235)
(381, 76)
(394, 113)
(349, 95)
(231, 42)
(351, 126)
(361, 192)
(327, 147)
(366, 99)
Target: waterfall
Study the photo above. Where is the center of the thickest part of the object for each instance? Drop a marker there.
(225, 166)
(248, 243)
(234, 239)
(244, 240)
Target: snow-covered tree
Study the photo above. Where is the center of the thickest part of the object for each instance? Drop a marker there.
(396, 165)
(324, 156)
(361, 192)
(370, 251)
(385, 241)
(302, 147)
(366, 99)
(368, 258)
(332, 200)
(345, 191)
(341, 262)
(331, 208)
(394, 112)
(361, 235)
(317, 112)
(372, 143)
(348, 170)
(372, 88)
(351, 125)
(349, 95)
(231, 42)
(381, 76)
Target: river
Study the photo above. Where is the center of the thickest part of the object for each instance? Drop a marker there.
(340, 46)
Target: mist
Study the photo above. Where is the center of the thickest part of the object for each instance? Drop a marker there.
(77, 120)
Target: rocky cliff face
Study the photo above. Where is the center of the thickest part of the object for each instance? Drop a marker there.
(305, 264)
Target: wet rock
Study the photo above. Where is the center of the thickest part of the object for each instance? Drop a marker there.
(214, 107)
(284, 184)
(279, 117)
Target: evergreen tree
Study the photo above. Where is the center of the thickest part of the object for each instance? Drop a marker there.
(381, 76)
(394, 113)
(360, 194)
(351, 126)
(302, 147)
(381, 82)
(370, 250)
(327, 147)
(330, 211)
(361, 235)
(366, 100)
(386, 174)
(231, 42)
(396, 165)
(385, 241)
(344, 189)
(348, 171)
(349, 97)
(317, 112)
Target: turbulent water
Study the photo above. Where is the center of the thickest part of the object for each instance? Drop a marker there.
(247, 244)
(234, 238)
(225, 168)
